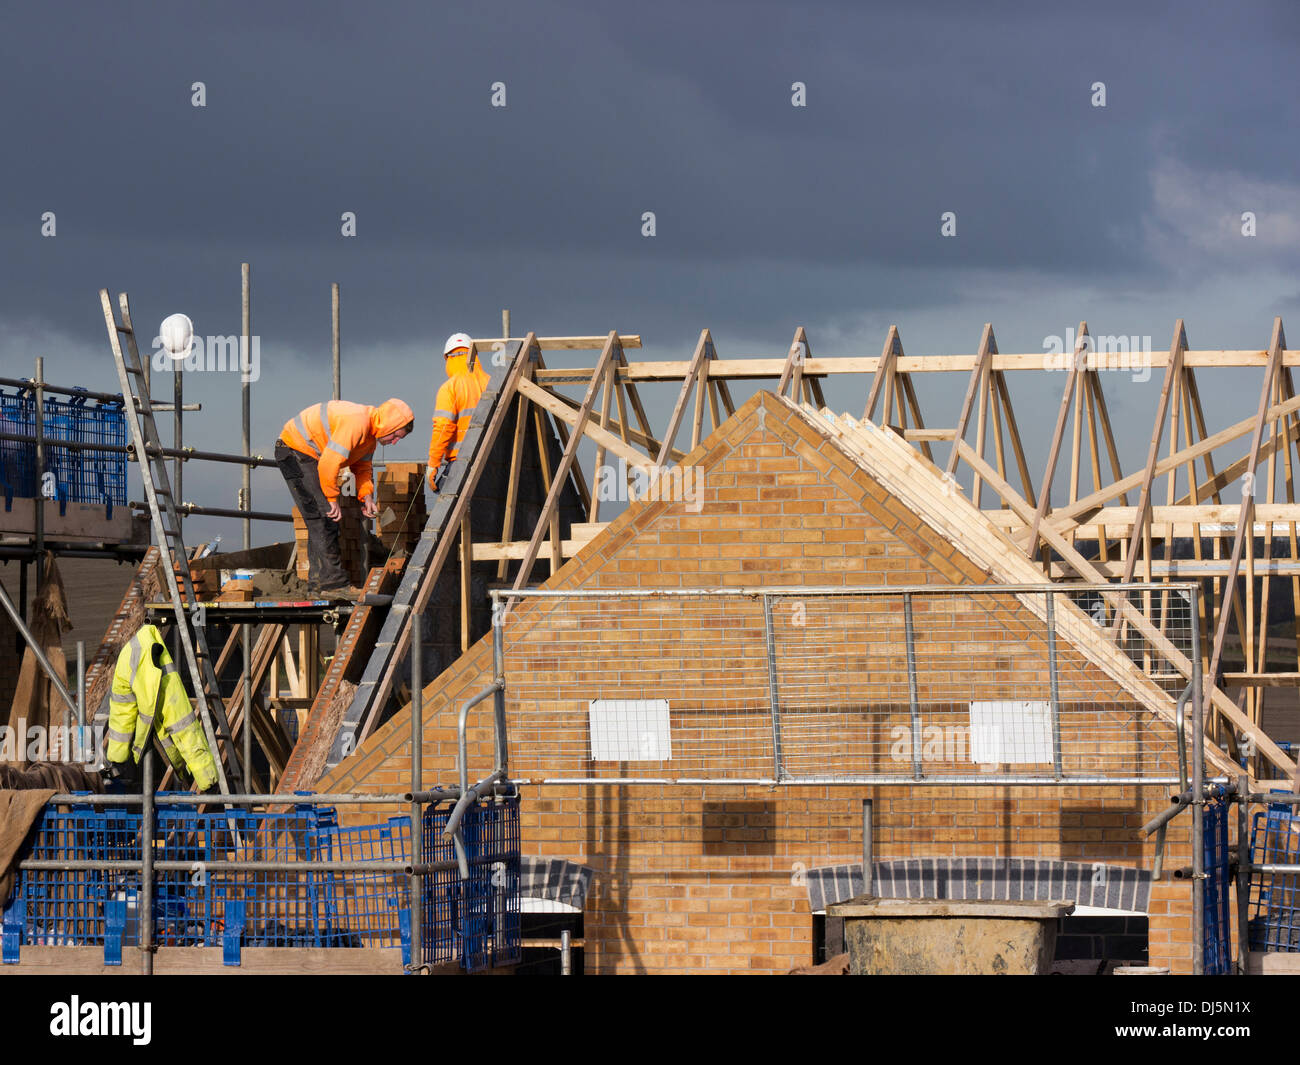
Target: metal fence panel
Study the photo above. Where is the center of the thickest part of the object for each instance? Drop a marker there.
(974, 684)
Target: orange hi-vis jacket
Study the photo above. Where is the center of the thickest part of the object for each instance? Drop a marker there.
(340, 434)
(453, 409)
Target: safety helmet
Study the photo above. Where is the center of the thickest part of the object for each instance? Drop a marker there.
(456, 340)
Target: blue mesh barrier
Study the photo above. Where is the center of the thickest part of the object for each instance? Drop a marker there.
(1218, 925)
(475, 922)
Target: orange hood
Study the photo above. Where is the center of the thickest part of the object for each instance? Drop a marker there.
(456, 364)
(390, 416)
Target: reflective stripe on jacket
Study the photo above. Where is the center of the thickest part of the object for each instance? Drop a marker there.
(453, 409)
(336, 434)
(148, 694)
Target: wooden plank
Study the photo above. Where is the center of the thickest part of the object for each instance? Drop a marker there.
(1094, 460)
(1184, 569)
(466, 579)
(550, 507)
(1263, 680)
(987, 347)
(1182, 516)
(78, 522)
(1261, 963)
(579, 478)
(647, 441)
(1088, 571)
(889, 355)
(789, 369)
(1054, 449)
(679, 408)
(763, 367)
(1064, 518)
(1017, 446)
(517, 549)
(588, 343)
(1248, 491)
(957, 512)
(530, 351)
(603, 437)
(594, 513)
(701, 388)
(1176, 348)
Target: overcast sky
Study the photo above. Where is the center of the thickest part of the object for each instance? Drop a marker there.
(768, 216)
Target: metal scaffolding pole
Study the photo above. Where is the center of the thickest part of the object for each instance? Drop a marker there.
(336, 344)
(1198, 804)
(38, 504)
(246, 395)
(178, 431)
(417, 774)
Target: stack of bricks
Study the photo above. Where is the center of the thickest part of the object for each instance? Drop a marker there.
(400, 488)
(207, 582)
(350, 534)
(237, 590)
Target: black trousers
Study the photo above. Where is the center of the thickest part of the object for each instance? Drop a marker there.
(299, 472)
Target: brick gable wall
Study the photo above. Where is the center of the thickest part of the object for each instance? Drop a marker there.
(694, 878)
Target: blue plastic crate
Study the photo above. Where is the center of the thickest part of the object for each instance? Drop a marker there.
(274, 908)
(80, 476)
(191, 907)
(475, 921)
(361, 908)
(1217, 941)
(1274, 898)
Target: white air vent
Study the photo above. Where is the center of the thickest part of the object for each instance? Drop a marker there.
(630, 730)
(1011, 731)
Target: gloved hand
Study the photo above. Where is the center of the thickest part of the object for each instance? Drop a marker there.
(439, 475)
(118, 775)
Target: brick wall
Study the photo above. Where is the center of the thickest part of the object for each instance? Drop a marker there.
(693, 878)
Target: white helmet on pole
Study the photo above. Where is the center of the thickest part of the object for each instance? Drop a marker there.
(456, 340)
(177, 336)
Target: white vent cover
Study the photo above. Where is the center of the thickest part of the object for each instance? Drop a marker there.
(1014, 731)
(630, 730)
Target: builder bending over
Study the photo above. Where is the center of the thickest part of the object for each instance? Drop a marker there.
(313, 450)
(454, 405)
(148, 695)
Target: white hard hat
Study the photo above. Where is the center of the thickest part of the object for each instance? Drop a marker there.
(456, 340)
(177, 335)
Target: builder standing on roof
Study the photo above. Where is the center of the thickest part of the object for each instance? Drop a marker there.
(454, 405)
(148, 695)
(313, 450)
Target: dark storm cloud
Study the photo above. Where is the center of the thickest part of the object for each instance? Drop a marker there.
(769, 216)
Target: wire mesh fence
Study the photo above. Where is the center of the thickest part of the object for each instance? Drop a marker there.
(978, 684)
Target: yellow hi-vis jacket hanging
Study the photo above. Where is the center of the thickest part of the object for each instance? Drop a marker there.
(148, 693)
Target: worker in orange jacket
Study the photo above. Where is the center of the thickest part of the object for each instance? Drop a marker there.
(313, 450)
(454, 405)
